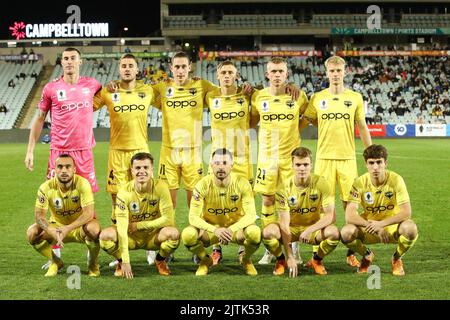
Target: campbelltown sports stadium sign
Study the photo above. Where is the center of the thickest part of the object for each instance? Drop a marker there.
(20, 30)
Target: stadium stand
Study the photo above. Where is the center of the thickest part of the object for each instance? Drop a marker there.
(13, 94)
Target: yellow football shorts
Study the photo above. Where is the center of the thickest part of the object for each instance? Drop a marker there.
(270, 173)
(342, 172)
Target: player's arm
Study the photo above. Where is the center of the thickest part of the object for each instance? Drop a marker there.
(254, 115)
(122, 218)
(158, 91)
(403, 215)
(364, 133)
(303, 102)
(42, 222)
(310, 113)
(328, 218)
(35, 133)
(99, 100)
(352, 216)
(195, 213)
(248, 206)
(282, 209)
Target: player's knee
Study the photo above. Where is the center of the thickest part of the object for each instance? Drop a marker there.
(253, 234)
(106, 235)
(171, 233)
(32, 234)
(408, 229)
(189, 236)
(271, 231)
(92, 230)
(268, 201)
(332, 233)
(348, 233)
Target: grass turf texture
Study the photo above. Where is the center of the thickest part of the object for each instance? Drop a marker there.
(424, 164)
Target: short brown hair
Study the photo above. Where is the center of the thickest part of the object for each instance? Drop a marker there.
(278, 60)
(222, 152)
(73, 49)
(301, 153)
(129, 56)
(181, 54)
(375, 151)
(225, 63)
(142, 156)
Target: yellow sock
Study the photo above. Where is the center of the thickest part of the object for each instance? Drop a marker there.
(267, 215)
(94, 249)
(111, 247)
(357, 246)
(252, 240)
(274, 246)
(327, 246)
(44, 248)
(167, 247)
(404, 245)
(315, 248)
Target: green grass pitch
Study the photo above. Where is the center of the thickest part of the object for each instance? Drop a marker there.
(424, 164)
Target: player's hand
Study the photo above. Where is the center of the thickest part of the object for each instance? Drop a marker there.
(59, 239)
(127, 272)
(293, 91)
(29, 161)
(132, 227)
(52, 232)
(305, 236)
(374, 227)
(292, 267)
(112, 86)
(384, 236)
(224, 234)
(63, 231)
(247, 89)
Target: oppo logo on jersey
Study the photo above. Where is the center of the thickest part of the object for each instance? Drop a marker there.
(144, 216)
(303, 210)
(77, 105)
(379, 208)
(68, 212)
(180, 104)
(229, 115)
(278, 117)
(335, 116)
(222, 211)
(129, 108)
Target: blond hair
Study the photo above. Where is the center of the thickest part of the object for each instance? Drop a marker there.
(334, 60)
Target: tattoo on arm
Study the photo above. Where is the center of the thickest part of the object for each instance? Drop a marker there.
(42, 223)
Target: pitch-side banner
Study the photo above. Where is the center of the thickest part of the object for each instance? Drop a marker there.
(376, 130)
(401, 130)
(392, 53)
(280, 53)
(448, 130)
(431, 130)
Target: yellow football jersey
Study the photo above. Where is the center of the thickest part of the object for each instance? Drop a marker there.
(232, 206)
(182, 109)
(128, 110)
(336, 116)
(279, 118)
(304, 204)
(151, 210)
(230, 122)
(65, 207)
(379, 203)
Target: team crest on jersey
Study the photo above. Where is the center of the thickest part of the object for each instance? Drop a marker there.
(153, 202)
(86, 91)
(134, 207)
(115, 97)
(196, 196)
(240, 101)
(368, 197)
(323, 104)
(234, 197)
(281, 201)
(290, 104)
(41, 199)
(61, 95)
(389, 194)
(348, 104)
(58, 203)
(169, 92)
(313, 197)
(354, 194)
(216, 103)
(265, 106)
(75, 199)
(121, 206)
(193, 91)
(141, 95)
(292, 200)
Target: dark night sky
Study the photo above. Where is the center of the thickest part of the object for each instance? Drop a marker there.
(141, 20)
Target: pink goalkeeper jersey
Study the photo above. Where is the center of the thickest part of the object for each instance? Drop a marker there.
(71, 112)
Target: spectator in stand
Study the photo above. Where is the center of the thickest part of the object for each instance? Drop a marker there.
(11, 83)
(3, 108)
